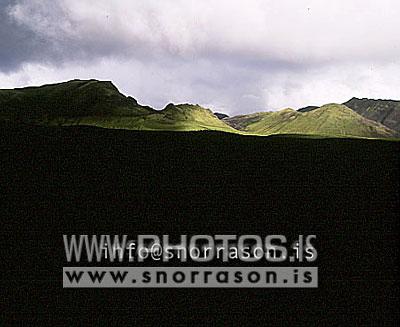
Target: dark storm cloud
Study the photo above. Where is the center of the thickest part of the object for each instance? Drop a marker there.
(18, 44)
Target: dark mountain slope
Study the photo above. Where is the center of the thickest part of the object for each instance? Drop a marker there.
(386, 112)
(71, 99)
(221, 115)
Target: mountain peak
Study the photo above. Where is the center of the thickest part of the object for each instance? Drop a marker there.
(186, 108)
(331, 108)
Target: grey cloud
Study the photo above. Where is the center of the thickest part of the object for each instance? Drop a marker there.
(261, 33)
(18, 43)
(234, 55)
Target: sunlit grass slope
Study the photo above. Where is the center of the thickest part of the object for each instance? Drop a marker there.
(331, 119)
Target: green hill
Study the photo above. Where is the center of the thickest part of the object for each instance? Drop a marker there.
(184, 117)
(386, 112)
(96, 103)
(69, 100)
(330, 120)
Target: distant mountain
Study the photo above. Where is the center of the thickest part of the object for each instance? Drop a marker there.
(242, 121)
(99, 103)
(331, 120)
(221, 115)
(386, 112)
(308, 108)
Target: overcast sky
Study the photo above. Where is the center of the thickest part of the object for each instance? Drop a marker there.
(233, 56)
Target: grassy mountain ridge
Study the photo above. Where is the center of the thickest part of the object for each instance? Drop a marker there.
(331, 119)
(183, 117)
(386, 112)
(99, 103)
(67, 100)
(195, 116)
